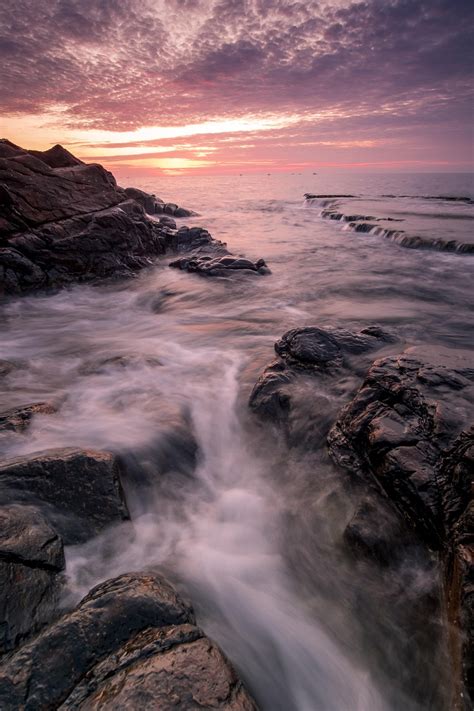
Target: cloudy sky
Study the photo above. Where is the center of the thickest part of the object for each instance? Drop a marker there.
(241, 85)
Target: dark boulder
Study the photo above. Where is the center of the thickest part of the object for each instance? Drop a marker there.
(207, 265)
(31, 557)
(80, 490)
(283, 387)
(188, 238)
(327, 348)
(150, 203)
(167, 221)
(131, 643)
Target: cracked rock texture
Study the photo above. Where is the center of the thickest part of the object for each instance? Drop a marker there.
(131, 643)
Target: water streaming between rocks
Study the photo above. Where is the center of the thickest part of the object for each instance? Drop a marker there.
(252, 530)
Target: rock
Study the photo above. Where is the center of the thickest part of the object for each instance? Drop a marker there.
(107, 243)
(191, 238)
(18, 419)
(40, 194)
(174, 667)
(131, 643)
(64, 221)
(325, 349)
(219, 266)
(154, 206)
(57, 157)
(80, 490)
(308, 351)
(167, 222)
(150, 203)
(31, 556)
(183, 212)
(408, 429)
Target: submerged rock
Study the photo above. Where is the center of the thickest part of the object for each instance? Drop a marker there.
(79, 490)
(18, 419)
(376, 532)
(131, 643)
(31, 556)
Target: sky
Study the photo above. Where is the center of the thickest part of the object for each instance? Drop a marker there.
(237, 86)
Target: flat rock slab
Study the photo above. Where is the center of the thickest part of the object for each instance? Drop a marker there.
(80, 489)
(131, 643)
(31, 556)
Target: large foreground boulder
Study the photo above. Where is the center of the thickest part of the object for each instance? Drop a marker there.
(31, 558)
(131, 643)
(409, 431)
(80, 491)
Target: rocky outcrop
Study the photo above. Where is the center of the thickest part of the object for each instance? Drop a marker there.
(79, 491)
(308, 351)
(406, 438)
(33, 193)
(408, 430)
(31, 558)
(63, 221)
(220, 266)
(131, 643)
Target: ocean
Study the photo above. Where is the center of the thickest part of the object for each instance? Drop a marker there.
(253, 532)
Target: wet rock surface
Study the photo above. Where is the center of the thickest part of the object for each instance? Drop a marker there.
(31, 558)
(80, 491)
(409, 430)
(220, 266)
(130, 643)
(308, 351)
(18, 419)
(407, 439)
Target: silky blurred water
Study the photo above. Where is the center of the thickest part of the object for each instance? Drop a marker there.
(248, 528)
